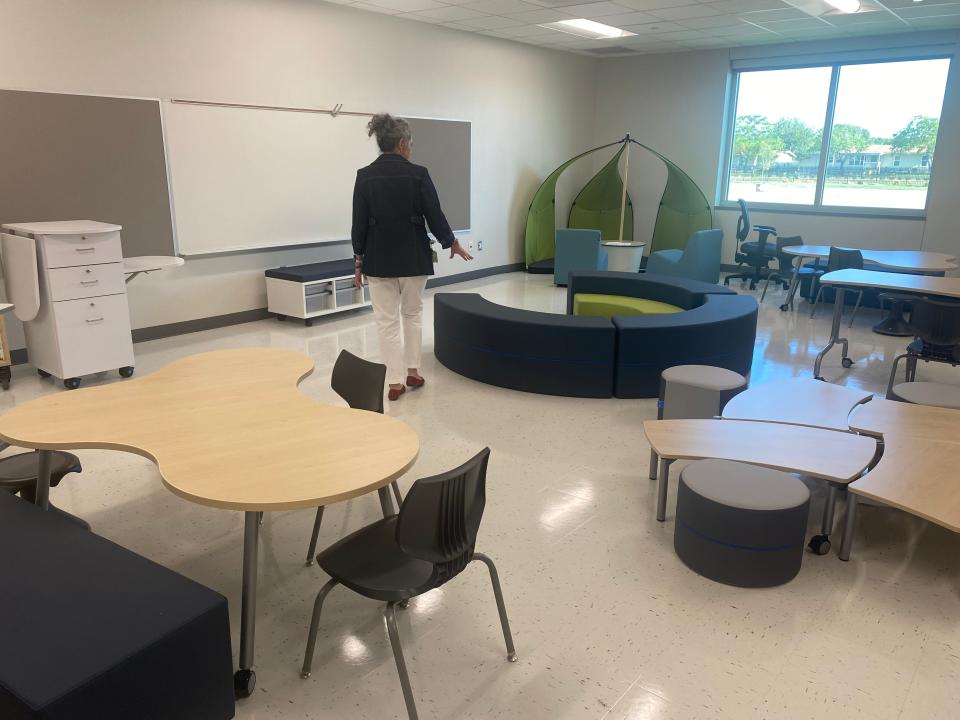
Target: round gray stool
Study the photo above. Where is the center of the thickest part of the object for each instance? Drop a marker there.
(697, 392)
(926, 393)
(741, 524)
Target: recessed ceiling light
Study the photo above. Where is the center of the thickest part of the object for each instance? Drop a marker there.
(588, 29)
(846, 6)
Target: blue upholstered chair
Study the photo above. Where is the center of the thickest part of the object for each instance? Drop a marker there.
(577, 250)
(699, 261)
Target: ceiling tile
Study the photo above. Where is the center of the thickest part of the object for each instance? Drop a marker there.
(685, 12)
(631, 18)
(684, 35)
(458, 26)
(762, 16)
(450, 13)
(656, 27)
(375, 8)
(924, 10)
(741, 30)
(407, 5)
(794, 25)
(645, 5)
(526, 31)
(594, 10)
(711, 22)
(937, 23)
(499, 7)
(540, 16)
(740, 6)
(490, 22)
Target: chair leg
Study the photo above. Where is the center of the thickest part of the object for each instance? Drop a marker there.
(396, 493)
(391, 617)
(314, 625)
(856, 307)
(816, 300)
(312, 548)
(893, 375)
(765, 286)
(260, 518)
(501, 608)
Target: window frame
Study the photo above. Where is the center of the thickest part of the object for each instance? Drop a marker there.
(817, 208)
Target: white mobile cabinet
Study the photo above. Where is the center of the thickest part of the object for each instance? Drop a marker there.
(82, 322)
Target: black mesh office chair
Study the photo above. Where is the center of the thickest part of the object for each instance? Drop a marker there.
(428, 544)
(757, 254)
(359, 382)
(839, 259)
(936, 326)
(785, 269)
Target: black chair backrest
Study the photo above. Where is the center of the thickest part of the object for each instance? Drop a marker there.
(359, 382)
(936, 322)
(440, 516)
(844, 259)
(743, 222)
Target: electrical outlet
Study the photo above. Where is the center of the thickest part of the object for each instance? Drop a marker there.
(479, 244)
(470, 245)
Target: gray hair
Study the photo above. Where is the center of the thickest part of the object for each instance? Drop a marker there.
(389, 131)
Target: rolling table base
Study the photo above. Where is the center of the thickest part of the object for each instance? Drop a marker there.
(893, 322)
(834, 335)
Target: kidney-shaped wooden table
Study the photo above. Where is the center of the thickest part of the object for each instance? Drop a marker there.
(228, 429)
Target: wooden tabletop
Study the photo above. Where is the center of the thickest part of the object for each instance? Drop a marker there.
(918, 476)
(799, 401)
(150, 263)
(825, 454)
(921, 284)
(889, 418)
(227, 429)
(919, 260)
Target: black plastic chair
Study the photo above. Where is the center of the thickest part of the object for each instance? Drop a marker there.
(785, 270)
(359, 382)
(757, 253)
(839, 259)
(936, 326)
(428, 544)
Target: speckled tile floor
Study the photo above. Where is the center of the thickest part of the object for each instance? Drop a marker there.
(608, 622)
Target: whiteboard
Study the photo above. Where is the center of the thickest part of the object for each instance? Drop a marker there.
(251, 178)
(248, 178)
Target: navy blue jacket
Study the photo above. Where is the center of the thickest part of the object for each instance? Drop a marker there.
(394, 201)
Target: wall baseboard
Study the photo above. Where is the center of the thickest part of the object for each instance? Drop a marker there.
(157, 332)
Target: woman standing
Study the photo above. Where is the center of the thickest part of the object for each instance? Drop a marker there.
(394, 201)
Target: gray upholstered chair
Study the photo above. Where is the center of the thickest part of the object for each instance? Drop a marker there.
(700, 260)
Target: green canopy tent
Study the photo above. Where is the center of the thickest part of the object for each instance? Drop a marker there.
(604, 204)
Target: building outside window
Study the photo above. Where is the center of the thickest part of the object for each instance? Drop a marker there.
(836, 135)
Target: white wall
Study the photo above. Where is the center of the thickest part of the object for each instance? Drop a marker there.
(531, 108)
(675, 104)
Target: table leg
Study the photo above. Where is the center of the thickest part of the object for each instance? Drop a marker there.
(834, 335)
(849, 527)
(794, 284)
(386, 502)
(43, 479)
(662, 486)
(893, 322)
(244, 679)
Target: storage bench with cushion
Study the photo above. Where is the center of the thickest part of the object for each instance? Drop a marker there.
(91, 631)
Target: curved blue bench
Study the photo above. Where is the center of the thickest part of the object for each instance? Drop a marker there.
(593, 356)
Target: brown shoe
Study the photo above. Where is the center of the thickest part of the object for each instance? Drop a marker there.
(414, 382)
(395, 393)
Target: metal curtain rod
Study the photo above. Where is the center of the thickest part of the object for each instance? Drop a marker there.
(337, 109)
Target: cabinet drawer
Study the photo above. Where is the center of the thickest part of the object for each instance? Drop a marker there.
(72, 250)
(86, 281)
(93, 334)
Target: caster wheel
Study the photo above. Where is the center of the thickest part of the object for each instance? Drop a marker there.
(819, 544)
(403, 605)
(43, 373)
(753, 286)
(819, 377)
(784, 307)
(847, 363)
(281, 318)
(5, 384)
(126, 371)
(244, 682)
(71, 383)
(308, 323)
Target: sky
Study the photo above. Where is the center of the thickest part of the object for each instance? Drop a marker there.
(880, 97)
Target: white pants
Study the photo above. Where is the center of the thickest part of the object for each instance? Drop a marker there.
(396, 302)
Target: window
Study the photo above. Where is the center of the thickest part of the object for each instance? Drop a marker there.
(836, 135)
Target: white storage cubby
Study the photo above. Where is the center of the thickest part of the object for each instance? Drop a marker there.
(309, 298)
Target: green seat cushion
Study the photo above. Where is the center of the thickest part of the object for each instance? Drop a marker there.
(610, 306)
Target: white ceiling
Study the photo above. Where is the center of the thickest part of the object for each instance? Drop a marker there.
(668, 25)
